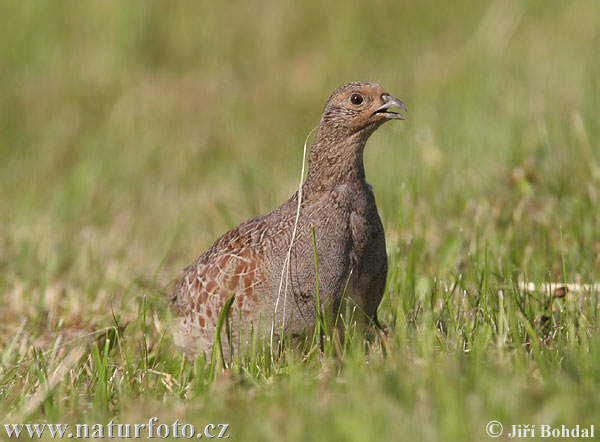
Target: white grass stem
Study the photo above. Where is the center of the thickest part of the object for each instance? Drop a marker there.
(286, 267)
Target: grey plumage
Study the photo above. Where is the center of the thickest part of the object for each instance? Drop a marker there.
(250, 260)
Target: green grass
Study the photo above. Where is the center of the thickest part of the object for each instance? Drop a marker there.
(133, 134)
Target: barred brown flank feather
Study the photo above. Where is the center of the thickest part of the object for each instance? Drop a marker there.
(350, 243)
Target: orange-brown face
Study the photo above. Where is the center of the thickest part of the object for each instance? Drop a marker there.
(361, 106)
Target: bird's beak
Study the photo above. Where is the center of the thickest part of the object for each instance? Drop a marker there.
(390, 102)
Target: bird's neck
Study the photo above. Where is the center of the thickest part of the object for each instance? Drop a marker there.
(335, 160)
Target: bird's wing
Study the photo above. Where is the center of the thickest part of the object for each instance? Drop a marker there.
(231, 265)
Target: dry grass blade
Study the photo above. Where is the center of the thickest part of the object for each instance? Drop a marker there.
(47, 387)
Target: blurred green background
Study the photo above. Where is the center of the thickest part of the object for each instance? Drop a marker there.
(132, 132)
(125, 123)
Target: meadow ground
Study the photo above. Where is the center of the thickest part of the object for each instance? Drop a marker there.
(134, 134)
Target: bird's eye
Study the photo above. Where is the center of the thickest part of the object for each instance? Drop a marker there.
(356, 99)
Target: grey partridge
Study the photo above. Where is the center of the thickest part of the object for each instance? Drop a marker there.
(268, 263)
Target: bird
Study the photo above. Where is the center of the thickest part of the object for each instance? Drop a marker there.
(268, 265)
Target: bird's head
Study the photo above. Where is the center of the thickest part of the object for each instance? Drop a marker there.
(360, 108)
